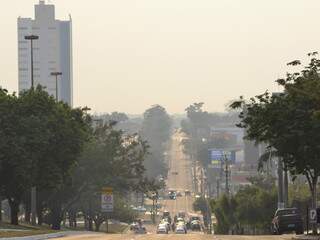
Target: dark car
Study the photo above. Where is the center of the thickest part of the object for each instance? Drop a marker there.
(172, 195)
(287, 220)
(195, 225)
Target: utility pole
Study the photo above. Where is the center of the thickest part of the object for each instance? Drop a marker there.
(218, 187)
(31, 38)
(227, 175)
(56, 74)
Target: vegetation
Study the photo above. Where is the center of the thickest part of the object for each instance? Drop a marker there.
(249, 211)
(40, 142)
(156, 130)
(57, 149)
(289, 122)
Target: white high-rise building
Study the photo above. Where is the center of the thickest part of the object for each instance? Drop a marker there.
(52, 52)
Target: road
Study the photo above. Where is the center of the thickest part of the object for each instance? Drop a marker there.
(173, 237)
(183, 180)
(179, 178)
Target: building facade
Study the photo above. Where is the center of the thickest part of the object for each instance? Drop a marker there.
(52, 52)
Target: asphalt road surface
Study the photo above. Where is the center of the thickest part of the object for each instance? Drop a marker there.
(173, 237)
(179, 178)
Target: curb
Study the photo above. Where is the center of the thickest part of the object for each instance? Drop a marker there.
(49, 236)
(306, 237)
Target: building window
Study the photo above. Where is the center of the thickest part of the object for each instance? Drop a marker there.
(52, 28)
(23, 28)
(23, 69)
(23, 49)
(23, 41)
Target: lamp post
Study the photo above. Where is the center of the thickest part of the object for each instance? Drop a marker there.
(31, 38)
(56, 74)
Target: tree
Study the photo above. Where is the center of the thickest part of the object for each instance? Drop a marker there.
(111, 159)
(40, 142)
(156, 130)
(290, 122)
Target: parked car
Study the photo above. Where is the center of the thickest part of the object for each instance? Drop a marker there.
(182, 214)
(287, 220)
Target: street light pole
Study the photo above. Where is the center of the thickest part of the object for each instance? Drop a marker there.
(31, 38)
(56, 74)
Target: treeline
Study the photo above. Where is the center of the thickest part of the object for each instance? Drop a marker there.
(58, 150)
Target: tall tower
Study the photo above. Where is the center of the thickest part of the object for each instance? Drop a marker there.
(52, 52)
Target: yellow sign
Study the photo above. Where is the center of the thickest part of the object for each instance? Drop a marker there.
(107, 190)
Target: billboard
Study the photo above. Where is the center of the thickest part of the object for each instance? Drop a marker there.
(217, 157)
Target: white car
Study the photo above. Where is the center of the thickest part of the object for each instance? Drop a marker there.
(181, 229)
(162, 229)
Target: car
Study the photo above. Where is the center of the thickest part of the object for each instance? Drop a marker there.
(187, 192)
(181, 229)
(166, 215)
(172, 195)
(287, 220)
(166, 222)
(195, 225)
(181, 214)
(140, 230)
(194, 217)
(162, 229)
(133, 226)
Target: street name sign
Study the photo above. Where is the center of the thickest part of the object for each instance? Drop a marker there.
(107, 200)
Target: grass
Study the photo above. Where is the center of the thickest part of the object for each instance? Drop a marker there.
(5, 234)
(22, 230)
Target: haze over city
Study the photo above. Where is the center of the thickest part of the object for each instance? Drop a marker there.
(131, 54)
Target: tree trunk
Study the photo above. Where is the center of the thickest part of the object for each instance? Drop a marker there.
(90, 224)
(14, 209)
(97, 225)
(56, 216)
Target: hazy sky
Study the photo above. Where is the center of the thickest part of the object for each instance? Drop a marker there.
(131, 54)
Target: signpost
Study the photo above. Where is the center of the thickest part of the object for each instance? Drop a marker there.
(107, 202)
(313, 216)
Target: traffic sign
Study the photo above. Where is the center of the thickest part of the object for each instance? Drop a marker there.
(107, 200)
(313, 216)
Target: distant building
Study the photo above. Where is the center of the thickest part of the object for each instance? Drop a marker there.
(52, 52)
